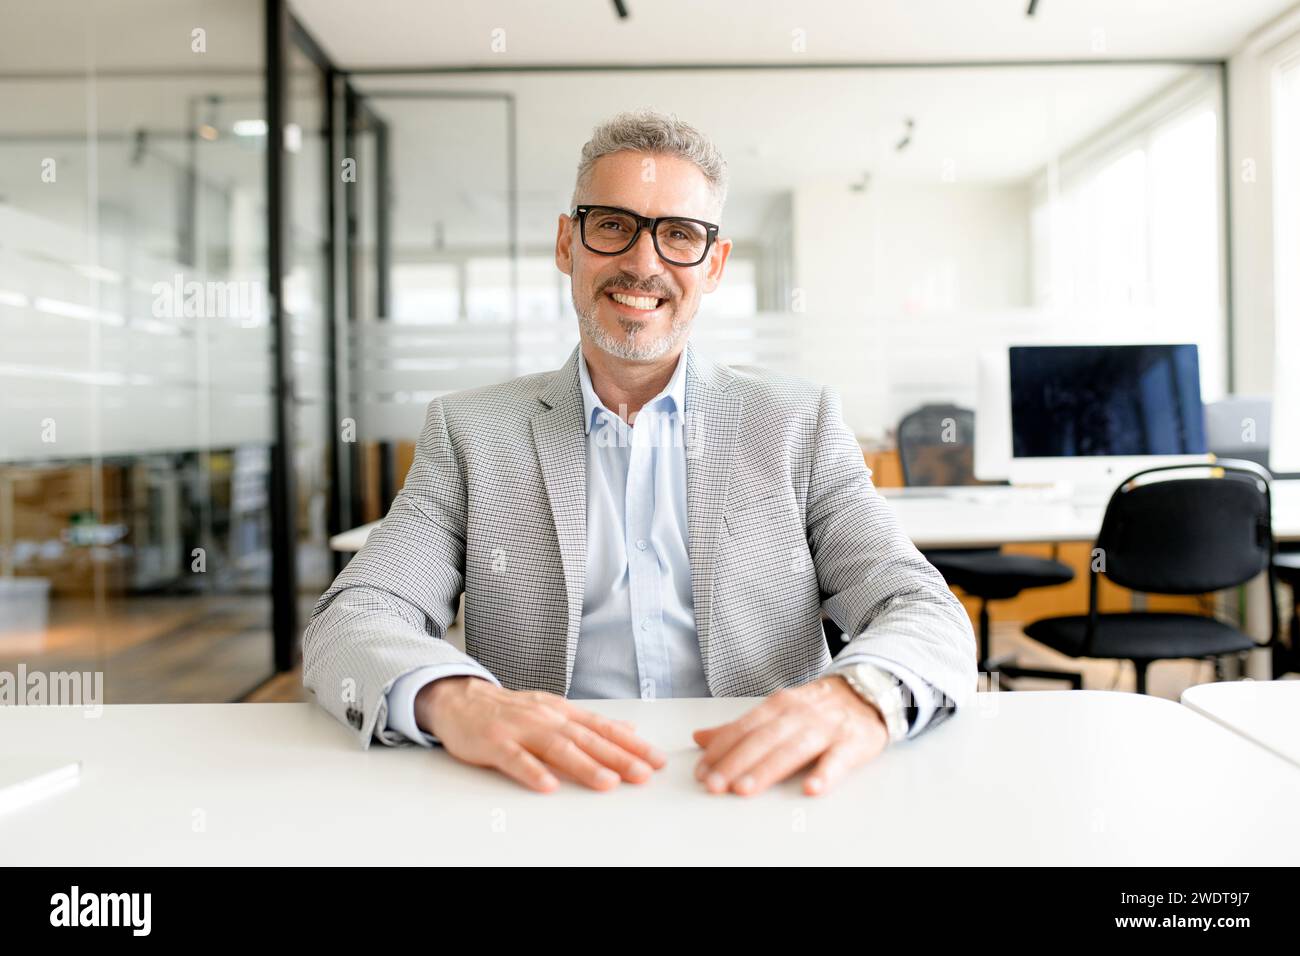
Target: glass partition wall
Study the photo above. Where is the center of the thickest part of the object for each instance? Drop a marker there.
(138, 368)
(135, 426)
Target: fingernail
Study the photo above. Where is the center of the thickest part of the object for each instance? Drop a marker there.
(606, 776)
(815, 784)
(657, 755)
(640, 769)
(745, 784)
(701, 769)
(716, 782)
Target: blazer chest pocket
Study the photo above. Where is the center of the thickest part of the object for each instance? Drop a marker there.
(766, 544)
(771, 519)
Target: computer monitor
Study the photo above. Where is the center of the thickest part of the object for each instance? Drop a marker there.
(1091, 415)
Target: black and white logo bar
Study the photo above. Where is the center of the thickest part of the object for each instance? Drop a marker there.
(102, 909)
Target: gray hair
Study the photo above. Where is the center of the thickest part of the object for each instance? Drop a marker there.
(648, 131)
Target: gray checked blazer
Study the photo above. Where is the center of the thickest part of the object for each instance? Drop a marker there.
(783, 524)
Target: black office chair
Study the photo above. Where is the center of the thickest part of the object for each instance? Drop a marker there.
(1286, 566)
(1178, 534)
(1241, 426)
(936, 447)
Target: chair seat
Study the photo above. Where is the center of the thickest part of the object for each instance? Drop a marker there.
(995, 576)
(1141, 636)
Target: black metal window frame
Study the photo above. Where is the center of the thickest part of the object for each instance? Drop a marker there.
(283, 32)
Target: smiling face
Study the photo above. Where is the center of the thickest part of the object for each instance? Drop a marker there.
(634, 305)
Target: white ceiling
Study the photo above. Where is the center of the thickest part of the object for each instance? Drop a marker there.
(56, 35)
(462, 32)
(778, 129)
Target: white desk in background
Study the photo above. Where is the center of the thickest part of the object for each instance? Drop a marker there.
(1266, 713)
(1080, 777)
(989, 516)
(351, 540)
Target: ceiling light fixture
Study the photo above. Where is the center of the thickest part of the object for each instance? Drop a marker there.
(908, 125)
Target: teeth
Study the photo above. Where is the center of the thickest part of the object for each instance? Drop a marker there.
(635, 301)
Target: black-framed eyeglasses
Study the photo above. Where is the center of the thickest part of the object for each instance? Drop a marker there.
(611, 231)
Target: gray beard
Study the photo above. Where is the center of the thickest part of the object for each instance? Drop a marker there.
(631, 348)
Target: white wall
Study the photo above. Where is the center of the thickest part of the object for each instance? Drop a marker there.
(890, 281)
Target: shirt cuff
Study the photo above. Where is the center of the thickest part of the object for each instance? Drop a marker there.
(919, 692)
(401, 697)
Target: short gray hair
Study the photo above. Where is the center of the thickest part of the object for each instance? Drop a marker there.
(648, 131)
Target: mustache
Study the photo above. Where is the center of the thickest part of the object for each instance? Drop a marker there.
(653, 285)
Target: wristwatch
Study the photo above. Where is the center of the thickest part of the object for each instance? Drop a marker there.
(881, 690)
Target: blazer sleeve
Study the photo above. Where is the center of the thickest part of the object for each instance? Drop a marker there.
(875, 584)
(387, 612)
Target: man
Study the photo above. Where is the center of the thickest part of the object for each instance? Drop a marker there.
(641, 523)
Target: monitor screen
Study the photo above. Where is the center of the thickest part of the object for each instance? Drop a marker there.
(1090, 400)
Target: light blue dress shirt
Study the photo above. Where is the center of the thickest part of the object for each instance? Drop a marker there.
(637, 637)
(638, 573)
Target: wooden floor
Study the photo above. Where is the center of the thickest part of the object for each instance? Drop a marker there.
(154, 648)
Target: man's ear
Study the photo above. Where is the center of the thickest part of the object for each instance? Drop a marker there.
(563, 245)
(716, 263)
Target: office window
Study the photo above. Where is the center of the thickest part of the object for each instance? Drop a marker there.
(426, 293)
(1285, 452)
(1132, 239)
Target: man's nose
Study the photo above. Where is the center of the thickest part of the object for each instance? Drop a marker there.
(642, 257)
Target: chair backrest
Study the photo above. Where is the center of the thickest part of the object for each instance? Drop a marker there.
(1192, 531)
(936, 446)
(1240, 426)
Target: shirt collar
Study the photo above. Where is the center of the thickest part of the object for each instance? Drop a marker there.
(674, 391)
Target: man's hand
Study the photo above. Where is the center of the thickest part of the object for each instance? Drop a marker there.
(824, 720)
(531, 735)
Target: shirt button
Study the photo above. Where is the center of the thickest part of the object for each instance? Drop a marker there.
(640, 544)
(645, 623)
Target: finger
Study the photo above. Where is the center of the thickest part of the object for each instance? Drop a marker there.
(560, 752)
(707, 740)
(832, 766)
(627, 765)
(722, 739)
(705, 734)
(797, 751)
(518, 764)
(747, 752)
(621, 735)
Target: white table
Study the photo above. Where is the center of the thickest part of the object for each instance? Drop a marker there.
(352, 539)
(995, 515)
(989, 517)
(1266, 713)
(1049, 777)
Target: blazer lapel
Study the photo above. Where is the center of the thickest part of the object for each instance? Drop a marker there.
(711, 424)
(560, 441)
